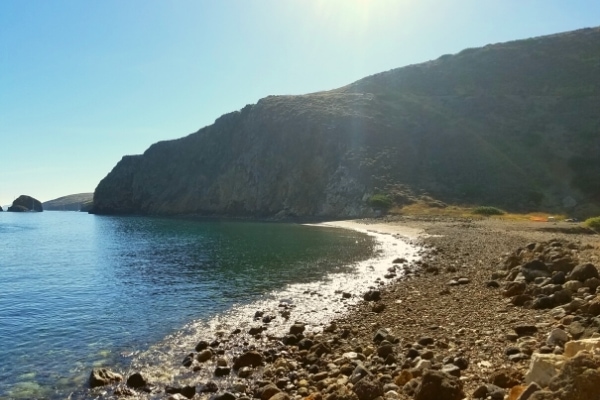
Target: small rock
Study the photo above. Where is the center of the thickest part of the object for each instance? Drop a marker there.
(525, 330)
(202, 345)
(368, 389)
(297, 329)
(437, 385)
(463, 281)
(583, 272)
(204, 355)
(222, 371)
(248, 359)
(557, 337)
(372, 295)
(223, 396)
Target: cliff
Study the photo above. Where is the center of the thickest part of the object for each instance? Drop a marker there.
(73, 202)
(515, 125)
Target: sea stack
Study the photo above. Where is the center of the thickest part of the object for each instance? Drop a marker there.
(26, 203)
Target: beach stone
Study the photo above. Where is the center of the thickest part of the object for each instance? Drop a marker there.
(385, 349)
(593, 307)
(297, 329)
(525, 330)
(514, 289)
(592, 283)
(403, 377)
(529, 391)
(222, 371)
(320, 348)
(451, 369)
(378, 308)
(426, 341)
(204, 355)
(305, 344)
(368, 389)
(223, 396)
(437, 385)
(542, 303)
(534, 269)
(359, 373)
(372, 295)
(186, 391)
(573, 285)
(208, 387)
(248, 359)
(557, 337)
(103, 376)
(543, 368)
(137, 380)
(381, 335)
(255, 330)
(520, 299)
(489, 391)
(463, 281)
(558, 278)
(506, 378)
(575, 346)
(576, 329)
(177, 396)
(578, 379)
(202, 345)
(280, 396)
(583, 272)
(268, 391)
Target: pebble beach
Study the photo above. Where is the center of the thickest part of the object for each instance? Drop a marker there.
(486, 300)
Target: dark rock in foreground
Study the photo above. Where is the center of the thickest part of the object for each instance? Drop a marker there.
(26, 203)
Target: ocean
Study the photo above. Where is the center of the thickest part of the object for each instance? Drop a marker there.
(79, 291)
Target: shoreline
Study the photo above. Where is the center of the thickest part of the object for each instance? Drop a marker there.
(329, 293)
(469, 323)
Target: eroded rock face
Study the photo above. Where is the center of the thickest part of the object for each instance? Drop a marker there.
(26, 203)
(324, 154)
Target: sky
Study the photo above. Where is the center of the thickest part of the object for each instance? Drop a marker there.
(85, 82)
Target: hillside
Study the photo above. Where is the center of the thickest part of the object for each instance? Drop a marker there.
(73, 202)
(515, 125)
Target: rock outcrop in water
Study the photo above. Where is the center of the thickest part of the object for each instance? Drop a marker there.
(514, 125)
(26, 203)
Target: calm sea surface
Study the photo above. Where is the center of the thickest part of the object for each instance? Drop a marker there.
(79, 291)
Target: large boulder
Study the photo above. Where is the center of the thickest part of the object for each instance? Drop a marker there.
(1, 208)
(26, 203)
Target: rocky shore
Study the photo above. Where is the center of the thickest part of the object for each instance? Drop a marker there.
(493, 310)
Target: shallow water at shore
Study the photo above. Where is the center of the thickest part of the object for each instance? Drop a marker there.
(80, 291)
(315, 304)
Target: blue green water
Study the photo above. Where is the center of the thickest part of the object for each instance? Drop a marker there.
(78, 291)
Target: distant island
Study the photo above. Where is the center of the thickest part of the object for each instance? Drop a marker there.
(73, 202)
(26, 203)
(513, 125)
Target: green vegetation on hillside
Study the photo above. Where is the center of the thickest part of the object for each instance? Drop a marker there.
(593, 223)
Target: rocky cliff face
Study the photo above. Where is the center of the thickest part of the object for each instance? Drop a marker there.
(26, 203)
(513, 125)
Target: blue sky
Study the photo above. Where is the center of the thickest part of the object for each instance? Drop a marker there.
(83, 83)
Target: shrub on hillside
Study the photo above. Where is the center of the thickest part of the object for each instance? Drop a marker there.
(380, 201)
(487, 210)
(593, 223)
